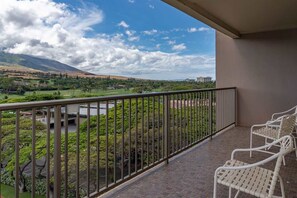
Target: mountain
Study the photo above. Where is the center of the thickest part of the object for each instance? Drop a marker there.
(39, 64)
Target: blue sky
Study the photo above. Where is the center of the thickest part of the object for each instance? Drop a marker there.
(145, 15)
(137, 38)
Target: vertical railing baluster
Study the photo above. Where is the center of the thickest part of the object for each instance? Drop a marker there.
(57, 152)
(123, 140)
(106, 143)
(130, 125)
(188, 119)
(142, 130)
(0, 148)
(173, 125)
(148, 131)
(180, 122)
(66, 151)
(191, 121)
(166, 127)
(223, 108)
(236, 106)
(136, 135)
(197, 116)
(200, 116)
(88, 149)
(177, 129)
(153, 129)
(158, 146)
(213, 105)
(163, 131)
(115, 141)
(176, 122)
(184, 122)
(210, 113)
(98, 147)
(204, 113)
(17, 153)
(194, 117)
(33, 154)
(77, 153)
(48, 152)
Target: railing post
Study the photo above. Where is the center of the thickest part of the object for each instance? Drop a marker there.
(57, 152)
(236, 106)
(210, 113)
(166, 127)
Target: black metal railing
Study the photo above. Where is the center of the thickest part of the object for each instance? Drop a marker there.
(85, 147)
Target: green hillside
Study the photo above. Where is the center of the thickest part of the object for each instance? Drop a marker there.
(36, 63)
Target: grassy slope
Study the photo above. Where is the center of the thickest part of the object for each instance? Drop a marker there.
(8, 192)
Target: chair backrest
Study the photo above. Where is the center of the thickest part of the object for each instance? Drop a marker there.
(286, 146)
(295, 114)
(287, 125)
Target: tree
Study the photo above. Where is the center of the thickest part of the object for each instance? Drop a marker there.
(7, 84)
(21, 91)
(87, 85)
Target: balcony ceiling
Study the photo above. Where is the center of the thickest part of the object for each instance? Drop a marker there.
(236, 17)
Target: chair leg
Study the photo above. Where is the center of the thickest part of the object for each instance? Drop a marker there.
(295, 144)
(237, 194)
(284, 161)
(282, 187)
(265, 143)
(215, 187)
(251, 143)
(230, 192)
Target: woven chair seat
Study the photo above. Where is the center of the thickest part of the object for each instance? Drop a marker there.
(255, 181)
(267, 132)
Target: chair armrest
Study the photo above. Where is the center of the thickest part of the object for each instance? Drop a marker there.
(260, 148)
(248, 165)
(269, 123)
(258, 125)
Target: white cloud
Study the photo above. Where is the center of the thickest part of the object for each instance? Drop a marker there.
(171, 42)
(151, 6)
(133, 38)
(123, 24)
(129, 32)
(150, 32)
(201, 29)
(52, 30)
(131, 1)
(179, 47)
(131, 35)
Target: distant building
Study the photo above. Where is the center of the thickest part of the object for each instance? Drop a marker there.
(204, 79)
(190, 80)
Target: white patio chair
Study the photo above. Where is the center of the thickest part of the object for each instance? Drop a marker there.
(293, 110)
(276, 116)
(286, 126)
(251, 178)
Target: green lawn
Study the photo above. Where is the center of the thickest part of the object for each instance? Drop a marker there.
(8, 192)
(77, 93)
(74, 93)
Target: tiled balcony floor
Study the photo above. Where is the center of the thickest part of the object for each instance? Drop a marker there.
(191, 175)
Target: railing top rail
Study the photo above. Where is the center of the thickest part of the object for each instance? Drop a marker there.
(50, 103)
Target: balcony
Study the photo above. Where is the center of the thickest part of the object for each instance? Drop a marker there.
(89, 147)
(191, 174)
